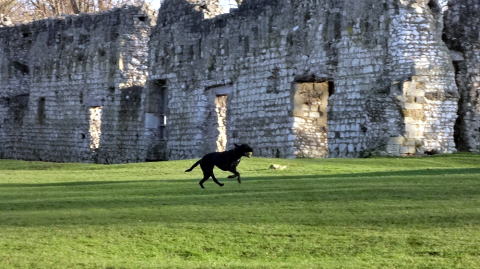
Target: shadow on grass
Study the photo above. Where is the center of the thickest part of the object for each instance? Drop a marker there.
(120, 201)
(401, 173)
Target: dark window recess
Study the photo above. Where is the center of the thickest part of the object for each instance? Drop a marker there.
(21, 67)
(18, 107)
(156, 119)
(331, 88)
(434, 7)
(80, 57)
(161, 131)
(157, 104)
(41, 111)
(102, 52)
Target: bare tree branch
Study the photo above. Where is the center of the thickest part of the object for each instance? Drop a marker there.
(28, 10)
(74, 6)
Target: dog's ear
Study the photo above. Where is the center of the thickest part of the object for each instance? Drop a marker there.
(236, 145)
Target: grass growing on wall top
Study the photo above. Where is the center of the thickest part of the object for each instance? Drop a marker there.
(329, 213)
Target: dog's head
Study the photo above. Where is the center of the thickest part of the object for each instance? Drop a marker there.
(244, 149)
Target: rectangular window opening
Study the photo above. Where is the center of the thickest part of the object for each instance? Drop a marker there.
(221, 115)
(156, 119)
(157, 108)
(41, 111)
(95, 130)
(216, 129)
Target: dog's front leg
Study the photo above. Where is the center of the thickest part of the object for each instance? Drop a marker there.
(235, 174)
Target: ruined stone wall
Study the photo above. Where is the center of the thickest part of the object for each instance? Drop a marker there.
(211, 54)
(423, 78)
(394, 90)
(209, 8)
(310, 78)
(462, 35)
(55, 73)
(15, 87)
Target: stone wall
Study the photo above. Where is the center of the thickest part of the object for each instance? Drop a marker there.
(394, 85)
(421, 68)
(310, 78)
(462, 35)
(56, 72)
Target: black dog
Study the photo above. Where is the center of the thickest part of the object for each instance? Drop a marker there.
(227, 161)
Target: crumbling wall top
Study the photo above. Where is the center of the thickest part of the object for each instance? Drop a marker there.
(172, 11)
(144, 13)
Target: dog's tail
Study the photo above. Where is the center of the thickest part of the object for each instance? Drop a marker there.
(193, 166)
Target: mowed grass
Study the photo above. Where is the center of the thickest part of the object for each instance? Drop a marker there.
(318, 213)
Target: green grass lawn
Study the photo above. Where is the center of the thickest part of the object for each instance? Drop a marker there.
(318, 213)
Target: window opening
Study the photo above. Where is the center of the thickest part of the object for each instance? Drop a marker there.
(41, 111)
(157, 108)
(221, 113)
(216, 125)
(310, 118)
(156, 119)
(95, 130)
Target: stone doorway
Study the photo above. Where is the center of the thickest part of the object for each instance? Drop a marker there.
(310, 105)
(216, 132)
(156, 120)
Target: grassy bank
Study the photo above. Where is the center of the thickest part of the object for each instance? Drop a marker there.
(332, 213)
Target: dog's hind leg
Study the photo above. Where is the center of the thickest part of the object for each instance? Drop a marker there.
(207, 173)
(205, 178)
(216, 181)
